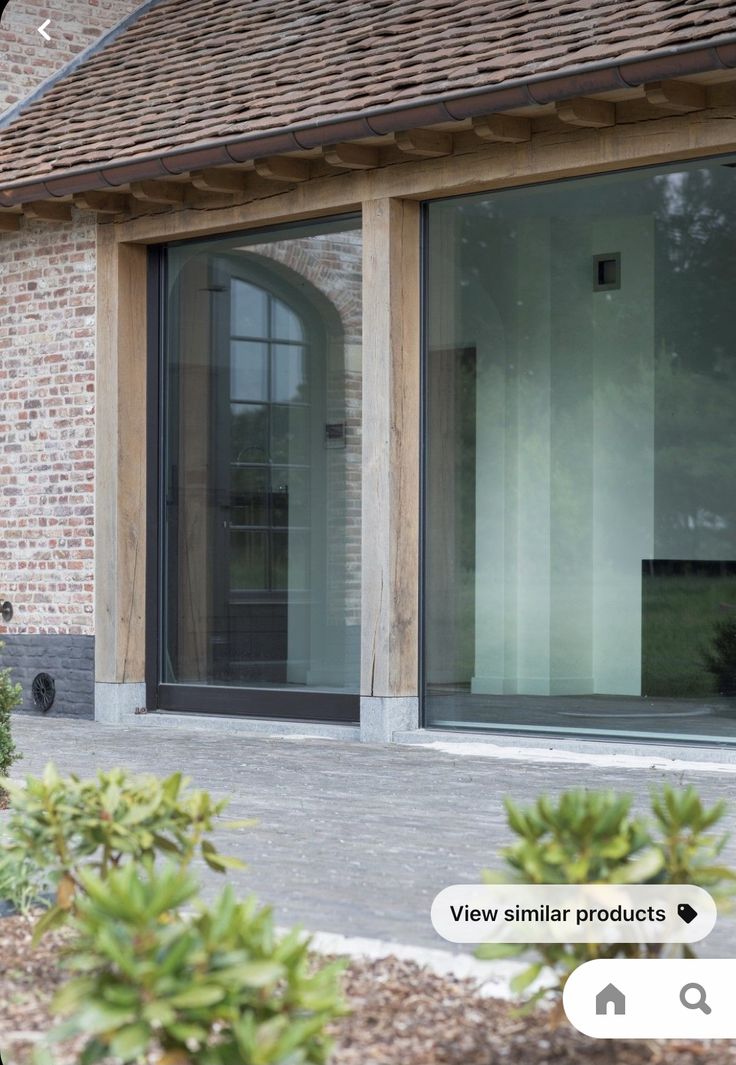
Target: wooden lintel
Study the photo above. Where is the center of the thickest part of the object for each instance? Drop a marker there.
(102, 202)
(426, 143)
(679, 96)
(509, 129)
(585, 111)
(158, 191)
(351, 156)
(283, 168)
(48, 211)
(9, 223)
(219, 179)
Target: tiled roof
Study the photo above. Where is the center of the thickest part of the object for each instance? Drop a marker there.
(197, 71)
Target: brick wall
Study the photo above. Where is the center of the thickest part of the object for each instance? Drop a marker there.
(27, 60)
(47, 380)
(47, 374)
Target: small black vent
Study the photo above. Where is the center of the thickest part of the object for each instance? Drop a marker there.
(606, 271)
(43, 690)
(6, 611)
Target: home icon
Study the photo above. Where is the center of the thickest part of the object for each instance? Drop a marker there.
(610, 996)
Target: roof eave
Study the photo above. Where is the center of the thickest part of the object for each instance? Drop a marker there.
(538, 89)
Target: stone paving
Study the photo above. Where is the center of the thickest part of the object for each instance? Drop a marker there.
(351, 838)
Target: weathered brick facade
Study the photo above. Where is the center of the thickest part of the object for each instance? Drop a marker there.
(47, 402)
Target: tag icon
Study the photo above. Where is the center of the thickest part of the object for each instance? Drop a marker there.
(686, 912)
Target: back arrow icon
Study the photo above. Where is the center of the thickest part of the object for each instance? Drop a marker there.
(42, 29)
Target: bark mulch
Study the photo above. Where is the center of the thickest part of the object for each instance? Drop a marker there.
(401, 1015)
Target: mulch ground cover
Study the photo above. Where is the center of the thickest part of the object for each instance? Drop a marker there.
(400, 1015)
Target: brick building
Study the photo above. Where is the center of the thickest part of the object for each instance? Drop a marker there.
(47, 374)
(374, 367)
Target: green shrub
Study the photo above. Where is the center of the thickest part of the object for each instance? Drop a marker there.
(11, 695)
(588, 837)
(216, 988)
(719, 657)
(22, 884)
(64, 825)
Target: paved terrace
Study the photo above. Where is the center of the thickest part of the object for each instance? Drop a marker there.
(351, 838)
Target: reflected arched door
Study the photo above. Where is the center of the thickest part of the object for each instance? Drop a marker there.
(260, 499)
(267, 449)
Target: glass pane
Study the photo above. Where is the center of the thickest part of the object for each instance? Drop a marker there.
(249, 371)
(290, 496)
(260, 514)
(248, 560)
(286, 324)
(290, 434)
(290, 565)
(581, 447)
(249, 500)
(290, 374)
(249, 433)
(248, 310)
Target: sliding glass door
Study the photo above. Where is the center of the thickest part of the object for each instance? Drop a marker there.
(580, 503)
(260, 500)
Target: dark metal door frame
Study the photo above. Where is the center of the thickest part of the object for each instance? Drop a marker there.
(277, 703)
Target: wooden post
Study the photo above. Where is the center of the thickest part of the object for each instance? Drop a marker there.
(120, 489)
(390, 565)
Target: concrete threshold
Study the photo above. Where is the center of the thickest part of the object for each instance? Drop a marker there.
(246, 726)
(615, 755)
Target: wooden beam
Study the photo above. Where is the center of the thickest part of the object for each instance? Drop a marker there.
(679, 96)
(509, 129)
(120, 486)
(219, 179)
(165, 192)
(9, 223)
(390, 559)
(283, 168)
(351, 156)
(584, 111)
(428, 144)
(657, 139)
(102, 202)
(48, 211)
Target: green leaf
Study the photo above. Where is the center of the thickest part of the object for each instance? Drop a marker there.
(194, 997)
(523, 980)
(54, 917)
(499, 951)
(131, 1042)
(253, 974)
(642, 870)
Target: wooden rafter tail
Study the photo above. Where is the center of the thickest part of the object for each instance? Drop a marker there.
(679, 96)
(506, 129)
(48, 211)
(283, 168)
(351, 156)
(219, 179)
(585, 111)
(162, 192)
(425, 143)
(9, 222)
(102, 202)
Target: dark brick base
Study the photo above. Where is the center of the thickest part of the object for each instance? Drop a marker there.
(70, 660)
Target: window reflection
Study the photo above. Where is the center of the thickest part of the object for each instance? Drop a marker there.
(581, 482)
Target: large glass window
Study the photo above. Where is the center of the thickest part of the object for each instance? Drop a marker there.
(580, 505)
(261, 465)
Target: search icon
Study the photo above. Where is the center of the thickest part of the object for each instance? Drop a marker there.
(699, 1003)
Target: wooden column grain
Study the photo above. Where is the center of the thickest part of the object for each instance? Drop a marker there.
(390, 564)
(120, 487)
